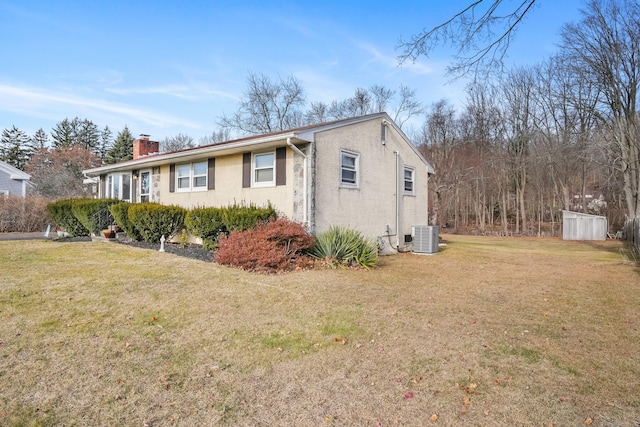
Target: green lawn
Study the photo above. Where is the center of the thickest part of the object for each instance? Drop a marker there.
(490, 331)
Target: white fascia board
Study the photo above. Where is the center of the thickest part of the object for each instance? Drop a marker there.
(193, 153)
(13, 172)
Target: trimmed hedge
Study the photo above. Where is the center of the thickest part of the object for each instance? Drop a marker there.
(153, 220)
(245, 217)
(209, 223)
(62, 214)
(93, 214)
(120, 212)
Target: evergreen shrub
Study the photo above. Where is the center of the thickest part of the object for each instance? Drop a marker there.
(61, 213)
(241, 217)
(120, 212)
(207, 224)
(211, 222)
(93, 214)
(154, 220)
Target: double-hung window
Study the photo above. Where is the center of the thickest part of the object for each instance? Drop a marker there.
(349, 168)
(264, 167)
(191, 176)
(409, 180)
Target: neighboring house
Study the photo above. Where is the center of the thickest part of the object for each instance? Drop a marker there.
(362, 173)
(13, 181)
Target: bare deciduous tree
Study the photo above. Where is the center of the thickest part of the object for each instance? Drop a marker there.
(481, 32)
(267, 106)
(605, 45)
(181, 141)
(216, 137)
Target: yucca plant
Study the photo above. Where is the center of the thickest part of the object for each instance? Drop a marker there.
(345, 247)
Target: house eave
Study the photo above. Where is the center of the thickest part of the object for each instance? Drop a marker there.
(222, 149)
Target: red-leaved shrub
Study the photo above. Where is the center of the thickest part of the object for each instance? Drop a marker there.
(273, 246)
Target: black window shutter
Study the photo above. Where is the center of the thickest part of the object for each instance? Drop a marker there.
(246, 170)
(281, 166)
(172, 177)
(211, 174)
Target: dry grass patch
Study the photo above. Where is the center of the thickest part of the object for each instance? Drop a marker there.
(491, 331)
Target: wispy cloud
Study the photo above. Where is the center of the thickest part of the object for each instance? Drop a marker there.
(39, 102)
(391, 61)
(177, 91)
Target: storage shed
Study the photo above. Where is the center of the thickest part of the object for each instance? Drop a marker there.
(580, 226)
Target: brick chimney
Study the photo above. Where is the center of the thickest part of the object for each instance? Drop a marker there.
(143, 146)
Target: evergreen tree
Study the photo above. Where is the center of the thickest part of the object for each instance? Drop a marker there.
(106, 142)
(122, 148)
(14, 147)
(63, 134)
(39, 140)
(69, 133)
(88, 135)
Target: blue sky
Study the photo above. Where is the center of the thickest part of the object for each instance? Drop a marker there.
(169, 67)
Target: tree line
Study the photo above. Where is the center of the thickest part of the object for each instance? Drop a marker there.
(561, 134)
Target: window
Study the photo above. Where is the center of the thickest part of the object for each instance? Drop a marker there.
(349, 165)
(145, 186)
(192, 176)
(409, 178)
(119, 186)
(264, 169)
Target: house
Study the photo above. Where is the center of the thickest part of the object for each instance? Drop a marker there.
(13, 181)
(362, 173)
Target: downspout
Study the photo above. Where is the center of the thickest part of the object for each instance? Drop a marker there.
(398, 201)
(305, 218)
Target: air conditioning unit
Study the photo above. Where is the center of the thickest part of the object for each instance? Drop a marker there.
(425, 239)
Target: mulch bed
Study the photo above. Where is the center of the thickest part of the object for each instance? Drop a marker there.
(191, 250)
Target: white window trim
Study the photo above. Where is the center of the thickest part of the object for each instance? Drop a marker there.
(413, 180)
(355, 156)
(110, 181)
(140, 193)
(192, 177)
(255, 183)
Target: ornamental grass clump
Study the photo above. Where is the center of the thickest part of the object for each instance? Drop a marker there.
(271, 247)
(345, 248)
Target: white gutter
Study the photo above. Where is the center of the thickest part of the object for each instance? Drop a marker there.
(305, 218)
(192, 152)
